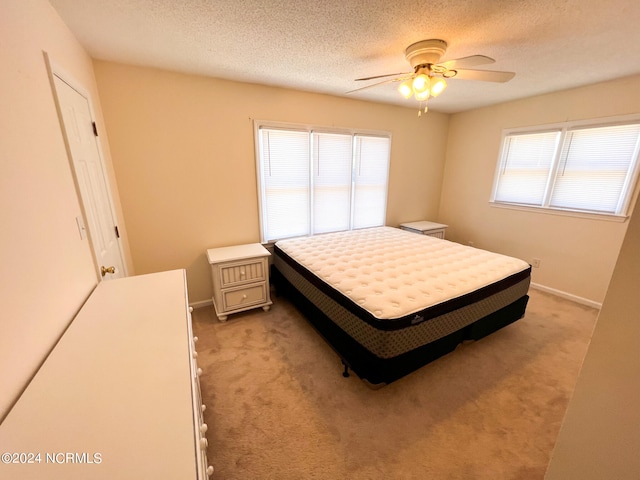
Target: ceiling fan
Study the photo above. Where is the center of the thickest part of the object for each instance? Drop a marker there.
(429, 75)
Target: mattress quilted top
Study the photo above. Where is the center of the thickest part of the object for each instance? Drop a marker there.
(392, 273)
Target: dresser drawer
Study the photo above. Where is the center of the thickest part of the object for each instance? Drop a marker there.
(243, 297)
(232, 274)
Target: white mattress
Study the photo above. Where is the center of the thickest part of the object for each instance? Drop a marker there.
(392, 273)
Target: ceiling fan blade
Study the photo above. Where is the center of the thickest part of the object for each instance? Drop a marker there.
(398, 79)
(466, 62)
(484, 75)
(383, 76)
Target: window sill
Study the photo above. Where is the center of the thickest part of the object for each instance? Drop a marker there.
(608, 217)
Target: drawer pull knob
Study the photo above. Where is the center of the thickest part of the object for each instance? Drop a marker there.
(204, 427)
(195, 339)
(210, 470)
(199, 371)
(203, 407)
(204, 443)
(195, 354)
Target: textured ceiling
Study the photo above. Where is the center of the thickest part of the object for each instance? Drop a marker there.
(323, 45)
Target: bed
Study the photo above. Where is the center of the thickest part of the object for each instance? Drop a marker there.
(390, 301)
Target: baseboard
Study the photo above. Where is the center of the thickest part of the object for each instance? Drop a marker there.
(568, 296)
(537, 286)
(202, 303)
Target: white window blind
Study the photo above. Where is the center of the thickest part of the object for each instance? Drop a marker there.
(331, 182)
(525, 168)
(594, 167)
(285, 174)
(371, 174)
(316, 182)
(590, 169)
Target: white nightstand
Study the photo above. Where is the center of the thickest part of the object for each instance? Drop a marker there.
(425, 228)
(240, 277)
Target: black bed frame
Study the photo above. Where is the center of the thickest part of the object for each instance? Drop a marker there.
(378, 371)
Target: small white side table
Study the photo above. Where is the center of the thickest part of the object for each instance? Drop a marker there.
(425, 228)
(240, 277)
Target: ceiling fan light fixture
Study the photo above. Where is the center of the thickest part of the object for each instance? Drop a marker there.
(405, 89)
(422, 96)
(420, 83)
(438, 85)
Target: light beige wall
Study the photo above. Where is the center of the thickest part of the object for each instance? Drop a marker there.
(577, 255)
(600, 435)
(47, 270)
(183, 152)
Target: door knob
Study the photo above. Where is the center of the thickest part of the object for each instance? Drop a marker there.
(104, 270)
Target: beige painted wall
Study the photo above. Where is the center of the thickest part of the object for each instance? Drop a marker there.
(577, 254)
(198, 190)
(183, 152)
(600, 436)
(47, 270)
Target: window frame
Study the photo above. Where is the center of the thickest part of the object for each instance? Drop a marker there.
(630, 187)
(310, 129)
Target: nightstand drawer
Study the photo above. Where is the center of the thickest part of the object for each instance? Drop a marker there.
(242, 297)
(240, 277)
(238, 273)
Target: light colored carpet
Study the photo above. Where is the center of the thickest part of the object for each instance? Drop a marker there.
(278, 407)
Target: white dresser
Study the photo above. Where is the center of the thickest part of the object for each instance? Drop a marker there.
(119, 395)
(240, 276)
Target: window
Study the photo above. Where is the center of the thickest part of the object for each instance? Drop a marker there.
(313, 181)
(577, 167)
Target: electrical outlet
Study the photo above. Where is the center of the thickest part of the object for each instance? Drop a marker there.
(535, 263)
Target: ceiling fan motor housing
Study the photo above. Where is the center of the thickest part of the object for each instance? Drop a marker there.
(425, 52)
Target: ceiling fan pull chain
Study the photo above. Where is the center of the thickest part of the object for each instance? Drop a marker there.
(421, 110)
